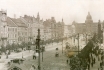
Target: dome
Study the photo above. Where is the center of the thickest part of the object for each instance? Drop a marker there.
(88, 16)
(73, 22)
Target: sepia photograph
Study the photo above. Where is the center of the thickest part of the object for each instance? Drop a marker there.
(51, 34)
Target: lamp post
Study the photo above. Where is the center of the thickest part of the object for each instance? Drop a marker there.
(78, 43)
(38, 44)
(22, 51)
(86, 38)
(62, 45)
(42, 48)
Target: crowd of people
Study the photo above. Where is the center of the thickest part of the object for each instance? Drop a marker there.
(84, 63)
(88, 57)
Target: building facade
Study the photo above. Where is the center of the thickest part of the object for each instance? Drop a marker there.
(33, 25)
(53, 30)
(88, 26)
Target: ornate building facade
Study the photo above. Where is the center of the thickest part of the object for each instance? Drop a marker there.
(54, 29)
(87, 27)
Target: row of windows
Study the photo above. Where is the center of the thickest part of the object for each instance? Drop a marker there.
(22, 33)
(22, 39)
(12, 29)
(12, 35)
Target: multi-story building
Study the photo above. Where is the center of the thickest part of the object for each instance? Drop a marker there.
(60, 29)
(88, 27)
(67, 30)
(8, 29)
(54, 29)
(21, 30)
(33, 25)
(3, 28)
(28, 21)
(12, 31)
(25, 29)
(37, 24)
(47, 29)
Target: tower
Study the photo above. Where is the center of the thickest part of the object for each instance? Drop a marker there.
(38, 17)
(88, 19)
(88, 23)
(62, 19)
(4, 28)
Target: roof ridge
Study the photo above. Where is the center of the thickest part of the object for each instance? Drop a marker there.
(12, 21)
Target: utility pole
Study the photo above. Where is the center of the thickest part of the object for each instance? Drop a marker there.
(78, 43)
(62, 45)
(42, 51)
(86, 39)
(38, 44)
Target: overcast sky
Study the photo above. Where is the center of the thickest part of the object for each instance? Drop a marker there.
(69, 10)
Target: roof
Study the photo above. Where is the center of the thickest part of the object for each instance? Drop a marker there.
(10, 22)
(47, 23)
(28, 19)
(18, 22)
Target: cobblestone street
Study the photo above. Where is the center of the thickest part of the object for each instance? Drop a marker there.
(50, 62)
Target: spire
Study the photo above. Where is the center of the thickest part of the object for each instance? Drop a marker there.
(74, 22)
(62, 19)
(15, 16)
(33, 18)
(88, 16)
(38, 16)
(88, 19)
(99, 22)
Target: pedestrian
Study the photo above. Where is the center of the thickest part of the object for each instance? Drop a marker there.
(33, 67)
(88, 66)
(0, 56)
(35, 57)
(92, 64)
(102, 57)
(94, 60)
(67, 61)
(98, 58)
(9, 63)
(100, 64)
(101, 68)
(7, 56)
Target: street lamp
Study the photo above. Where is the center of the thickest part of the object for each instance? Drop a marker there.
(38, 44)
(62, 45)
(42, 48)
(78, 42)
(86, 37)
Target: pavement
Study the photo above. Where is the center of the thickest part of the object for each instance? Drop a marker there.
(49, 56)
(50, 62)
(97, 64)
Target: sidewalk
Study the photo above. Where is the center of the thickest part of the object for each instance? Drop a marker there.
(96, 65)
(26, 54)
